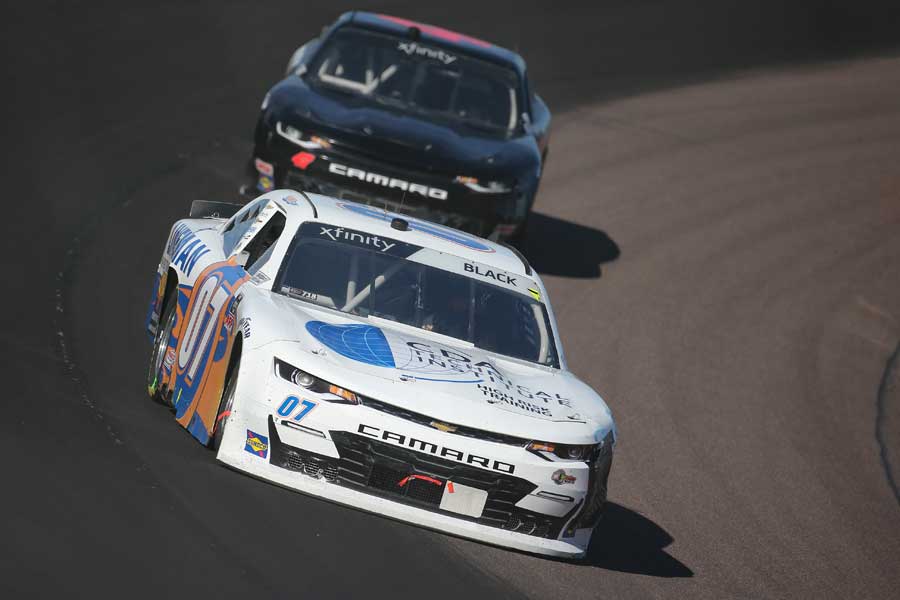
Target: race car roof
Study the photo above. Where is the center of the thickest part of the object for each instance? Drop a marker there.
(374, 220)
(436, 35)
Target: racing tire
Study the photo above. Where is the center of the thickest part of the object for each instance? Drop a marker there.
(157, 355)
(225, 403)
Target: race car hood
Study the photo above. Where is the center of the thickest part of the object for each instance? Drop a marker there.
(410, 140)
(430, 374)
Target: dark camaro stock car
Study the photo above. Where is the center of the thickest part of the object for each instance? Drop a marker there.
(409, 117)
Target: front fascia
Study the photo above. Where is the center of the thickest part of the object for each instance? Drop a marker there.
(313, 429)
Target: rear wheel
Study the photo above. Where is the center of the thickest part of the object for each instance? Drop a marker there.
(157, 356)
(226, 403)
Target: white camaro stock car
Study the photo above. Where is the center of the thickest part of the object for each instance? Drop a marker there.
(382, 362)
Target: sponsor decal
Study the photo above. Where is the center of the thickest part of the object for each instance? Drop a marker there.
(292, 200)
(244, 326)
(535, 293)
(415, 49)
(495, 396)
(264, 168)
(526, 393)
(298, 293)
(229, 323)
(232, 309)
(385, 181)
(169, 360)
(339, 233)
(185, 248)
(257, 444)
(265, 183)
(260, 278)
(432, 229)
(560, 477)
(421, 361)
(495, 275)
(435, 449)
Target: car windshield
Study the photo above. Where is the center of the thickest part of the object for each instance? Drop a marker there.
(378, 277)
(416, 77)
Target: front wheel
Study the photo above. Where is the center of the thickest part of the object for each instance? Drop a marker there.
(225, 404)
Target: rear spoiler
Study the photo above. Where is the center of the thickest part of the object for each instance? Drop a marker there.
(210, 209)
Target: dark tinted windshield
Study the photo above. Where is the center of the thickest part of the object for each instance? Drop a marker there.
(366, 281)
(417, 77)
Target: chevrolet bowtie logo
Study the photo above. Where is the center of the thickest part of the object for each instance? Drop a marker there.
(445, 427)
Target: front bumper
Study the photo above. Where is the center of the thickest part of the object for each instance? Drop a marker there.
(524, 510)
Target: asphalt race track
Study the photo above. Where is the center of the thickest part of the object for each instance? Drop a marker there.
(718, 229)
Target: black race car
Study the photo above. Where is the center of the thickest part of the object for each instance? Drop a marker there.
(409, 117)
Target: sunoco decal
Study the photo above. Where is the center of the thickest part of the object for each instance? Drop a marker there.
(257, 444)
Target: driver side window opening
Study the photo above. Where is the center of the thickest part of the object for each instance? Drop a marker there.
(239, 224)
(260, 247)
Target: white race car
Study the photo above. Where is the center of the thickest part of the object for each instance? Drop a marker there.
(382, 362)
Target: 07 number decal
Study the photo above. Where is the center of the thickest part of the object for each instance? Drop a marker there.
(209, 299)
(288, 408)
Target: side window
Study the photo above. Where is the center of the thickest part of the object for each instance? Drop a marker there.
(239, 224)
(259, 249)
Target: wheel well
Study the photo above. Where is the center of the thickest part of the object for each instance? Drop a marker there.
(171, 285)
(235, 355)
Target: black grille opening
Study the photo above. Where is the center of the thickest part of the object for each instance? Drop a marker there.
(387, 479)
(301, 461)
(423, 491)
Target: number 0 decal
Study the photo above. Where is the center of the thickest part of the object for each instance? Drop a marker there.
(291, 403)
(201, 322)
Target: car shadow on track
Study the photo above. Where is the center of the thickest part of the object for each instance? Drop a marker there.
(558, 247)
(629, 542)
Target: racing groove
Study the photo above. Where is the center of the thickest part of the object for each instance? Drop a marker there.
(722, 259)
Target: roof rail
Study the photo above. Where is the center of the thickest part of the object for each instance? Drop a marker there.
(520, 256)
(311, 205)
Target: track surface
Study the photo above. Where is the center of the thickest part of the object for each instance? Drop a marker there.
(722, 256)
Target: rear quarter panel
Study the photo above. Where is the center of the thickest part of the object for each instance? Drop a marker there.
(205, 290)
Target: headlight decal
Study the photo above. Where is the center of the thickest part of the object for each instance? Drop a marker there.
(300, 378)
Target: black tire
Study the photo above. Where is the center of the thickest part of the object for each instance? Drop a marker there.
(157, 354)
(225, 403)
